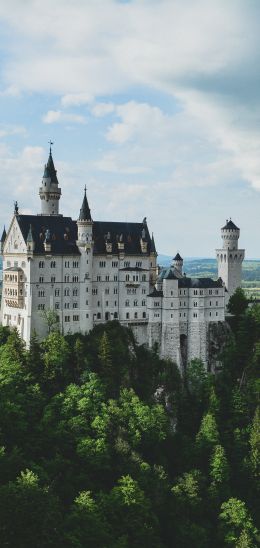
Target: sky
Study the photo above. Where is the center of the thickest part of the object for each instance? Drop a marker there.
(153, 104)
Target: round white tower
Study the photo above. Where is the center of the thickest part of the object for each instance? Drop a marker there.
(230, 258)
(49, 190)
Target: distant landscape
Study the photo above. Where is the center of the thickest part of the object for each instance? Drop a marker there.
(201, 267)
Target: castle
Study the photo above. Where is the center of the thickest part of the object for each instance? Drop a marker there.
(88, 272)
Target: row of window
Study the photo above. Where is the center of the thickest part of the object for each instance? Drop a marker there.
(196, 292)
(74, 279)
(102, 264)
(75, 264)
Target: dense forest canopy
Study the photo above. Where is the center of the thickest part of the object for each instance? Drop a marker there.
(103, 444)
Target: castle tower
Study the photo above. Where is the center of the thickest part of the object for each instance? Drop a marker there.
(84, 223)
(49, 190)
(177, 263)
(230, 258)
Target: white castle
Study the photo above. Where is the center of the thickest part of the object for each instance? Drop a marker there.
(90, 272)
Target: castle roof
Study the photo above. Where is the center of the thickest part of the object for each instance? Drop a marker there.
(178, 257)
(3, 237)
(64, 234)
(84, 214)
(230, 226)
(50, 171)
(199, 282)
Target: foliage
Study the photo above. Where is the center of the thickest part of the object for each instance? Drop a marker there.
(103, 444)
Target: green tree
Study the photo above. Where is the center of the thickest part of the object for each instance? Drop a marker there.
(236, 523)
(238, 302)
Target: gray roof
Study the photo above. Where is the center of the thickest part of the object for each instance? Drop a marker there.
(64, 233)
(50, 171)
(84, 214)
(230, 226)
(178, 257)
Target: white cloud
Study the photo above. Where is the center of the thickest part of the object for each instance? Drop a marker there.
(6, 130)
(54, 116)
(76, 99)
(102, 109)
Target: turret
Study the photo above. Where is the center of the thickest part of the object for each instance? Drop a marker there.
(230, 258)
(49, 190)
(177, 263)
(3, 238)
(84, 223)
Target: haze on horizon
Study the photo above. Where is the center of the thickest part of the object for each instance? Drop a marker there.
(153, 104)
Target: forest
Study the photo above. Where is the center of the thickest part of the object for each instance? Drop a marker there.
(104, 444)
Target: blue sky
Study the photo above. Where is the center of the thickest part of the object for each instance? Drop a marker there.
(153, 104)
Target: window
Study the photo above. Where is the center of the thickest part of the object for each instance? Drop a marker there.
(201, 291)
(195, 292)
(143, 291)
(195, 303)
(75, 305)
(115, 315)
(115, 303)
(57, 292)
(87, 303)
(216, 303)
(210, 291)
(115, 278)
(172, 305)
(94, 291)
(66, 305)
(98, 303)
(216, 292)
(41, 264)
(127, 303)
(86, 315)
(75, 292)
(41, 293)
(75, 318)
(98, 278)
(66, 292)
(67, 319)
(127, 264)
(57, 306)
(114, 264)
(115, 290)
(67, 264)
(75, 278)
(216, 313)
(66, 278)
(144, 314)
(102, 264)
(127, 315)
(106, 303)
(107, 291)
(98, 316)
(143, 302)
(135, 303)
(107, 277)
(75, 264)
(86, 289)
(143, 277)
(41, 306)
(209, 303)
(127, 278)
(136, 315)
(195, 315)
(41, 279)
(156, 303)
(53, 264)
(172, 292)
(138, 264)
(53, 279)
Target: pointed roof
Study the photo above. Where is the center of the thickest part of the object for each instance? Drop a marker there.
(29, 236)
(49, 170)
(84, 214)
(3, 237)
(178, 257)
(230, 225)
(153, 248)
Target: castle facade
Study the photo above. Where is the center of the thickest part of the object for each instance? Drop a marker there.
(87, 272)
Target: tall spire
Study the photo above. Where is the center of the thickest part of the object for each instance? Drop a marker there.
(84, 214)
(49, 169)
(153, 248)
(3, 237)
(49, 190)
